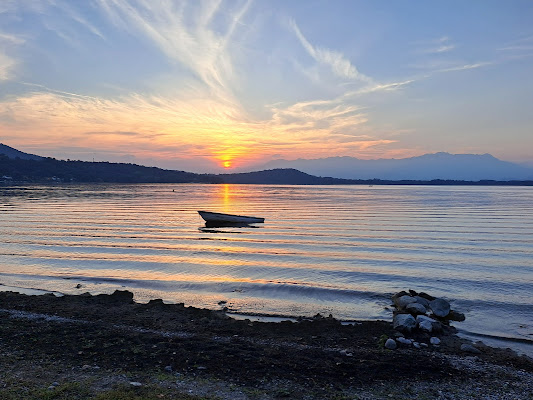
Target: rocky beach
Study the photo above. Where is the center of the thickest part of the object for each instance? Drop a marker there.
(109, 347)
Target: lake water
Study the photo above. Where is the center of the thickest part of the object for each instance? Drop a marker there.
(340, 250)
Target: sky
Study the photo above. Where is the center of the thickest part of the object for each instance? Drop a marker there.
(207, 86)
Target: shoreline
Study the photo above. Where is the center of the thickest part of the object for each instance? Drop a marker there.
(521, 346)
(111, 339)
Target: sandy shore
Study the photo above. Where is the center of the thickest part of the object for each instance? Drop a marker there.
(87, 346)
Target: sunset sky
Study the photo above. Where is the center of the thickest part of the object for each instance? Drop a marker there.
(199, 85)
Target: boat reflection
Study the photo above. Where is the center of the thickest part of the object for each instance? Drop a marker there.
(221, 224)
(208, 227)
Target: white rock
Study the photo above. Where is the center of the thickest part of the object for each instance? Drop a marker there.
(420, 318)
(425, 326)
(404, 322)
(390, 344)
(428, 324)
(416, 345)
(435, 341)
(136, 384)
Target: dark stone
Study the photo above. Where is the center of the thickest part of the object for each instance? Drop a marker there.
(156, 302)
(455, 316)
(426, 296)
(412, 292)
(440, 307)
(468, 348)
(415, 308)
(400, 294)
(118, 296)
(423, 301)
(403, 301)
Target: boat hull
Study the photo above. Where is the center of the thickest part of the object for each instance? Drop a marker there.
(211, 217)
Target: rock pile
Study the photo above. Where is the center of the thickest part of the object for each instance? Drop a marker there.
(422, 312)
(422, 318)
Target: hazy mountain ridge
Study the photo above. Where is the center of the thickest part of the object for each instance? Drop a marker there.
(16, 166)
(470, 167)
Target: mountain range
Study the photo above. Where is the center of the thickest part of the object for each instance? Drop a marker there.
(439, 168)
(445, 166)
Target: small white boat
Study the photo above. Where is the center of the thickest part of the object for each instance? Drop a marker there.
(214, 217)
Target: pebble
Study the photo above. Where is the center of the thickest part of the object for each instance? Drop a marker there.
(390, 344)
(405, 341)
(435, 341)
(137, 384)
(416, 345)
(168, 368)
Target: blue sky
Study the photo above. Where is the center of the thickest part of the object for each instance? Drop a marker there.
(203, 85)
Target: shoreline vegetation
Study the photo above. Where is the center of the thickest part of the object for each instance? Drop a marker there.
(109, 347)
(18, 171)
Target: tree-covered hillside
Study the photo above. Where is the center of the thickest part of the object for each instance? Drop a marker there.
(50, 169)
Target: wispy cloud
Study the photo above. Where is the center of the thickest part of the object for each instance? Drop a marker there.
(7, 62)
(342, 68)
(465, 67)
(381, 87)
(336, 61)
(10, 39)
(185, 33)
(436, 46)
(519, 48)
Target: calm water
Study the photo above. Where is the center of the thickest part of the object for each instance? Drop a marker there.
(330, 249)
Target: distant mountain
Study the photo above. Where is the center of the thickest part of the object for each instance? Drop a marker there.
(287, 176)
(469, 167)
(10, 152)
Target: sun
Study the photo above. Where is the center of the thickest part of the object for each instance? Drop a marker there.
(227, 164)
